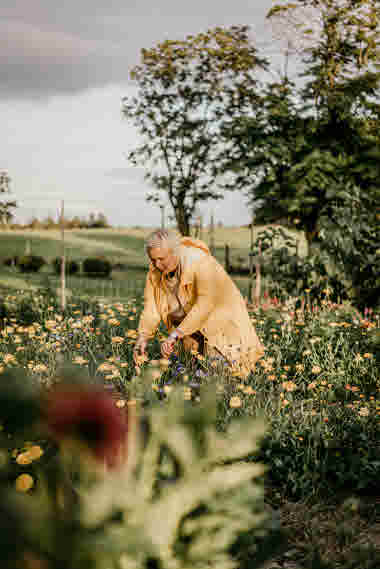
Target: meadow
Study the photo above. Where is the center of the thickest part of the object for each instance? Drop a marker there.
(317, 387)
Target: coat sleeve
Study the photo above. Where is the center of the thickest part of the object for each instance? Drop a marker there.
(150, 317)
(205, 284)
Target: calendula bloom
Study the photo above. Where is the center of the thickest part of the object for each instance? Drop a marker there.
(24, 482)
(289, 385)
(90, 416)
(80, 360)
(24, 458)
(9, 359)
(40, 368)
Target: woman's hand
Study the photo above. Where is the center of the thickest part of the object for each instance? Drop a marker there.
(168, 346)
(139, 351)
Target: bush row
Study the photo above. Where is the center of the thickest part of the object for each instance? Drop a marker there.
(92, 266)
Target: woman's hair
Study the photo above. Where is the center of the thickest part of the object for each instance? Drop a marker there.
(163, 237)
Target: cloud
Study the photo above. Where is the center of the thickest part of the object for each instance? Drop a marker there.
(49, 47)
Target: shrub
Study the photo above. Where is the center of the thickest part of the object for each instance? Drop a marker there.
(71, 267)
(30, 263)
(97, 267)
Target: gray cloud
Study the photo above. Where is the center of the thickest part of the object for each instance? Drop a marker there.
(49, 47)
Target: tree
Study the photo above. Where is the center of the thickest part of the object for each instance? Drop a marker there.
(186, 90)
(302, 153)
(6, 206)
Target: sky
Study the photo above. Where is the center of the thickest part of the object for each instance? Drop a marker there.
(64, 69)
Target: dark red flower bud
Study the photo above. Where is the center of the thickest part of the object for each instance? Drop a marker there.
(89, 415)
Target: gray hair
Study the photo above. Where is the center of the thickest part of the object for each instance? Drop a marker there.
(163, 237)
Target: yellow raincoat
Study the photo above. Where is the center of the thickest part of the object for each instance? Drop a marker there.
(212, 304)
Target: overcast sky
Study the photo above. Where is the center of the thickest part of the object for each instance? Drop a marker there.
(64, 69)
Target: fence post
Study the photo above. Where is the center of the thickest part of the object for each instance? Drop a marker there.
(227, 257)
(250, 286)
(63, 260)
(258, 277)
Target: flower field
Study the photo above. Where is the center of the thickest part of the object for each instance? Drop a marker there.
(317, 387)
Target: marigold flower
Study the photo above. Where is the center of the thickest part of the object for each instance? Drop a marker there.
(235, 402)
(24, 458)
(90, 416)
(24, 482)
(289, 385)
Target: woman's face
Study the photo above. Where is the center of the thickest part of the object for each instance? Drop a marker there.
(163, 259)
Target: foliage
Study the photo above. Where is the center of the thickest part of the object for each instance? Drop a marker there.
(6, 206)
(185, 91)
(183, 497)
(337, 264)
(30, 263)
(71, 266)
(97, 267)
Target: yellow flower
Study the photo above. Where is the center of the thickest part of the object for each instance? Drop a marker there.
(367, 355)
(117, 340)
(316, 369)
(35, 452)
(40, 368)
(364, 412)
(249, 391)
(9, 359)
(271, 377)
(24, 482)
(24, 458)
(80, 360)
(113, 322)
(289, 386)
(168, 389)
(235, 402)
(187, 393)
(131, 334)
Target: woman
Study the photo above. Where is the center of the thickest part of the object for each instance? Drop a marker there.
(200, 305)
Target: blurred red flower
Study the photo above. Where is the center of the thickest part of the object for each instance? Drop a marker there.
(89, 415)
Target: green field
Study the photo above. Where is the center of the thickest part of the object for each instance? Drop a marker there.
(123, 246)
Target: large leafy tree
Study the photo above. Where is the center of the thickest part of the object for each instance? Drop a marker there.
(311, 143)
(186, 90)
(6, 205)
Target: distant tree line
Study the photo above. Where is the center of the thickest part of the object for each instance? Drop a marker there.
(93, 221)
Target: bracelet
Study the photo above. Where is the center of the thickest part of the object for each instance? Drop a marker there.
(176, 334)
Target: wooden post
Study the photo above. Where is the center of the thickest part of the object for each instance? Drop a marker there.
(258, 277)
(250, 286)
(212, 235)
(63, 260)
(227, 257)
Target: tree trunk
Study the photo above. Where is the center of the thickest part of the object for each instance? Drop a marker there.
(183, 220)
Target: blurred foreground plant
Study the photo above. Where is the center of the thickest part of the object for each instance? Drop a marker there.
(181, 496)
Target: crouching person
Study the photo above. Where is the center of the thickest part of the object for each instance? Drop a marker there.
(188, 290)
